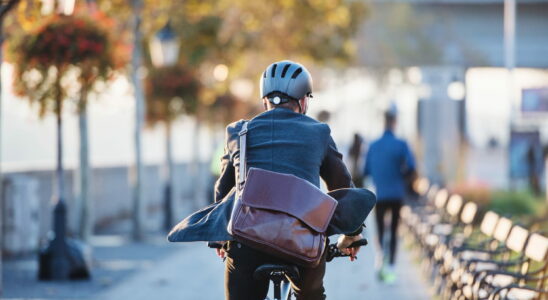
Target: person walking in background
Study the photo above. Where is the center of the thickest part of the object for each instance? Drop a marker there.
(388, 161)
(355, 159)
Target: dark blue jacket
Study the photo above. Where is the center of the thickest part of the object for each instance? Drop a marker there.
(283, 141)
(388, 160)
(280, 140)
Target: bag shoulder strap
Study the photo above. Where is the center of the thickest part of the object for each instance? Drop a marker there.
(243, 158)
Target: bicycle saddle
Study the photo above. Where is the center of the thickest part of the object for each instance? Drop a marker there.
(267, 270)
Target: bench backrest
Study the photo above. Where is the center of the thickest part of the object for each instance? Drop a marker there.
(504, 225)
(431, 194)
(489, 223)
(517, 238)
(441, 198)
(421, 186)
(454, 204)
(537, 248)
(469, 213)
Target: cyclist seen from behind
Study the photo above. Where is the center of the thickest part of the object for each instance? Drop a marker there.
(281, 139)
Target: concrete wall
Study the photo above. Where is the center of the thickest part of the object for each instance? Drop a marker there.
(27, 200)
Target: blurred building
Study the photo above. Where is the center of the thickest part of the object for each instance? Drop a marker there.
(467, 33)
(455, 50)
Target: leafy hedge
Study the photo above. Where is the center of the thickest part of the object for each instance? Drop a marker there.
(516, 203)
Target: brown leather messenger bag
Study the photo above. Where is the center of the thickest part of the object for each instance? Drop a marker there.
(280, 214)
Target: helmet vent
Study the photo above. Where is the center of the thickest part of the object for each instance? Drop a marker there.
(285, 70)
(264, 74)
(274, 70)
(297, 72)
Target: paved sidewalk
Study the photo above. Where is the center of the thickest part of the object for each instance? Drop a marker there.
(160, 270)
(358, 280)
(115, 258)
(194, 272)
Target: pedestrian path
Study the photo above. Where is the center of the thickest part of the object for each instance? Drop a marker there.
(358, 280)
(191, 272)
(194, 272)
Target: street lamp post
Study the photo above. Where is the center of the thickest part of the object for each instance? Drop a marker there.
(62, 258)
(164, 51)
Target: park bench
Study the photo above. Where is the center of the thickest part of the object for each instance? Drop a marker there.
(524, 277)
(426, 218)
(449, 219)
(459, 262)
(442, 232)
(496, 260)
(420, 220)
(435, 218)
(465, 244)
(411, 214)
(450, 235)
(417, 213)
(473, 270)
(483, 237)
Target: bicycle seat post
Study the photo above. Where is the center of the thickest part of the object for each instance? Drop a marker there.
(276, 278)
(277, 273)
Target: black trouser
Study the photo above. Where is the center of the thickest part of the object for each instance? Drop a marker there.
(240, 284)
(381, 207)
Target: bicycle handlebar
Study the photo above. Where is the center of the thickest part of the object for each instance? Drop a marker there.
(332, 250)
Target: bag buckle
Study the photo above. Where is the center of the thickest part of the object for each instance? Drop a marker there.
(243, 131)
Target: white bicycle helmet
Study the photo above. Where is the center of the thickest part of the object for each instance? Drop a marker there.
(285, 80)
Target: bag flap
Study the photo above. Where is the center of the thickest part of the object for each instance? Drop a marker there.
(353, 207)
(209, 224)
(289, 194)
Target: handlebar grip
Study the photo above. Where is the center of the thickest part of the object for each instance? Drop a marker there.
(333, 251)
(214, 245)
(359, 243)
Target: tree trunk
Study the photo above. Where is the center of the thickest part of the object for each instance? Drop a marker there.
(84, 205)
(85, 210)
(60, 223)
(137, 182)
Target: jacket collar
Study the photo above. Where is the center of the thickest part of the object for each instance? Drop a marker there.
(388, 132)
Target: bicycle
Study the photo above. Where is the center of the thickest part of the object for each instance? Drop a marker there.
(279, 274)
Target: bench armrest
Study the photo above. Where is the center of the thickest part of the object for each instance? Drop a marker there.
(508, 263)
